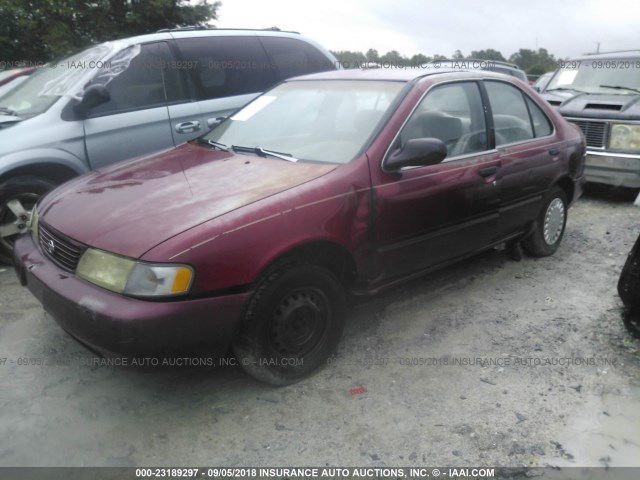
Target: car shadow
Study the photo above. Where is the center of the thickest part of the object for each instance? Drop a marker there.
(597, 191)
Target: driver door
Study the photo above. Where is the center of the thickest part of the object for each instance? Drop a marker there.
(429, 215)
(135, 120)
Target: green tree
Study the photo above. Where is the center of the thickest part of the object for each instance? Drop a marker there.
(488, 54)
(544, 62)
(532, 61)
(420, 59)
(524, 58)
(372, 55)
(393, 58)
(350, 59)
(39, 30)
(458, 55)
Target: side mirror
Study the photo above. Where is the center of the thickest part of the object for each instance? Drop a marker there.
(93, 96)
(417, 152)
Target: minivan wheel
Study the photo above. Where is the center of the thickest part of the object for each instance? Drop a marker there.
(292, 324)
(18, 196)
(550, 225)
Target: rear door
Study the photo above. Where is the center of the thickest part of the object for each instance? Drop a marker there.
(524, 139)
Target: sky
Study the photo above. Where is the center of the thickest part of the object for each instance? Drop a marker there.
(565, 28)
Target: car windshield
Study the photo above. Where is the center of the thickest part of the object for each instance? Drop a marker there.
(323, 121)
(45, 86)
(619, 76)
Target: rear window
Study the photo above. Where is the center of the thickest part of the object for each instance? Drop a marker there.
(227, 66)
(293, 57)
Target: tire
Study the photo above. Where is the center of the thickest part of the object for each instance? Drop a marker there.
(629, 290)
(629, 281)
(293, 323)
(550, 225)
(18, 196)
(631, 320)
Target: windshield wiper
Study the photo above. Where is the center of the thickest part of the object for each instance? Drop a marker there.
(620, 87)
(563, 88)
(8, 111)
(261, 152)
(214, 144)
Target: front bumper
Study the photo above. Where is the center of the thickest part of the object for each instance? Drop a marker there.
(113, 324)
(618, 169)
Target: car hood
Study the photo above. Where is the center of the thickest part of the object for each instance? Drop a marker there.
(131, 207)
(585, 105)
(6, 120)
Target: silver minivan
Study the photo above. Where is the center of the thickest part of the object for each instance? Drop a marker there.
(130, 97)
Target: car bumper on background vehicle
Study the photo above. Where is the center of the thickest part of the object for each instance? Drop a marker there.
(113, 324)
(621, 170)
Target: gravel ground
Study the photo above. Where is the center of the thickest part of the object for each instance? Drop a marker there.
(491, 362)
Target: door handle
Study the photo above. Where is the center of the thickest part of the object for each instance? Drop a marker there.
(554, 151)
(188, 127)
(487, 171)
(211, 122)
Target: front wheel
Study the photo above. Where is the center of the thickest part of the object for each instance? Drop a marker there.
(18, 196)
(292, 324)
(546, 237)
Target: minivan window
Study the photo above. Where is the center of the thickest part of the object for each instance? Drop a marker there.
(293, 57)
(141, 84)
(45, 86)
(226, 66)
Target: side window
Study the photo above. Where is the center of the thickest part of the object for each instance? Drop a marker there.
(293, 57)
(227, 66)
(452, 113)
(510, 114)
(135, 83)
(541, 124)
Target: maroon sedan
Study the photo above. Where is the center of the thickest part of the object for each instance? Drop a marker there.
(329, 184)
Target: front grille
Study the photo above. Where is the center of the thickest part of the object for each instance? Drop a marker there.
(63, 251)
(594, 132)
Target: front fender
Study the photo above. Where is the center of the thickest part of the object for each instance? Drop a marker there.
(42, 156)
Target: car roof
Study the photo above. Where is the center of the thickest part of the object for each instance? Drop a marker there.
(400, 74)
(606, 55)
(499, 63)
(213, 32)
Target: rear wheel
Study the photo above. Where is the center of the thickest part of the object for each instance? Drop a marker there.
(550, 225)
(292, 324)
(18, 196)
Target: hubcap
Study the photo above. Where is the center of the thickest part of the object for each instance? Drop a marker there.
(299, 322)
(15, 218)
(554, 221)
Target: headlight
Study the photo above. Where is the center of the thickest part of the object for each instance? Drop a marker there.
(34, 224)
(129, 277)
(625, 136)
